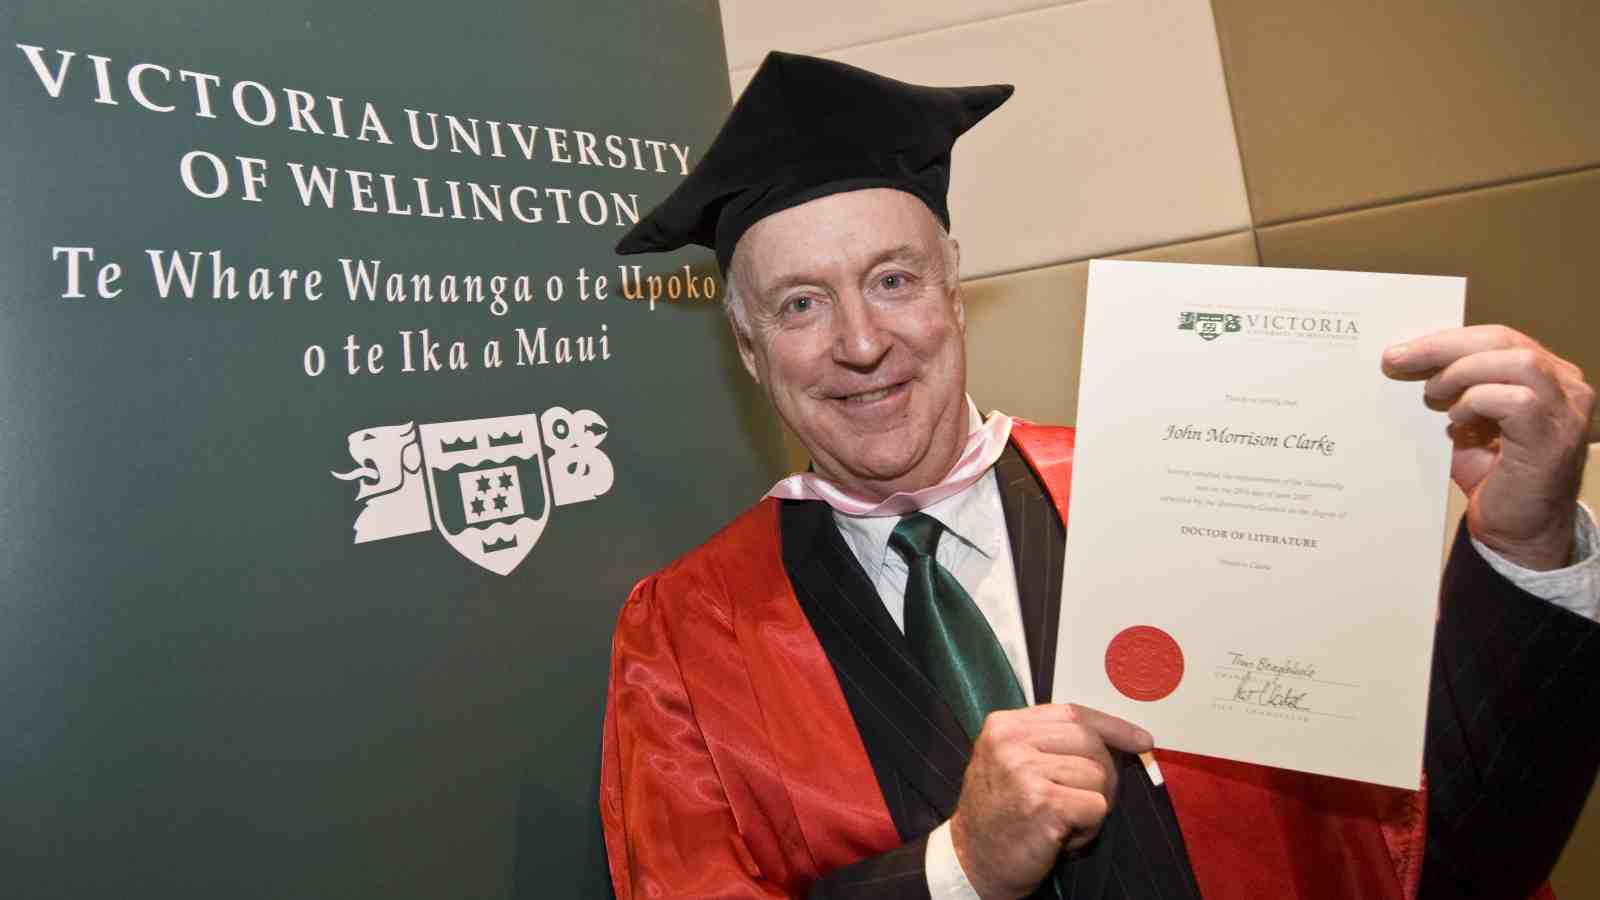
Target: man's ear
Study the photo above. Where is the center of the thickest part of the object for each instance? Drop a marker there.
(747, 350)
(955, 291)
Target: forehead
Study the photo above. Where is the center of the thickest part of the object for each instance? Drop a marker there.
(835, 235)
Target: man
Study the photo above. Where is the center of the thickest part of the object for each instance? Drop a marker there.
(846, 692)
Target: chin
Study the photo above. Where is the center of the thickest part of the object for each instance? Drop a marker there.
(888, 467)
(885, 459)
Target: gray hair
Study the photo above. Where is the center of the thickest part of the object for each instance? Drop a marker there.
(733, 303)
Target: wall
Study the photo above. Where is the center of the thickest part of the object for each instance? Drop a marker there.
(1397, 136)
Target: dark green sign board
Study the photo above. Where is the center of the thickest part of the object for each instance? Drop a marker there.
(333, 434)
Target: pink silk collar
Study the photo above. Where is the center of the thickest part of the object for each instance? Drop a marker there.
(984, 446)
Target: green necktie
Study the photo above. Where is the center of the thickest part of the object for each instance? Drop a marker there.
(952, 641)
(949, 637)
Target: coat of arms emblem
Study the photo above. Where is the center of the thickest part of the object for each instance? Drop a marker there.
(486, 485)
(1209, 326)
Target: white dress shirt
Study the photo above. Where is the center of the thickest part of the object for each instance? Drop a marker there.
(976, 549)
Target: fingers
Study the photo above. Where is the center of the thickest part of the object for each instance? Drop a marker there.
(1072, 794)
(1527, 393)
(1082, 812)
(1527, 367)
(1079, 773)
(1062, 737)
(1041, 779)
(1450, 361)
(1071, 742)
(1114, 732)
(1118, 733)
(1512, 408)
(1421, 358)
(1495, 380)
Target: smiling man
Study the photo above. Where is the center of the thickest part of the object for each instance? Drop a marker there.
(852, 322)
(847, 691)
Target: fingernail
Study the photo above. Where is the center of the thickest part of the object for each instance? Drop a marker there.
(1144, 737)
(1397, 353)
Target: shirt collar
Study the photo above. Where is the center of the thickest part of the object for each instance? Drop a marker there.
(984, 444)
(974, 516)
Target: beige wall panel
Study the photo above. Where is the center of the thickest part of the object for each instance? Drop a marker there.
(1025, 330)
(1347, 104)
(1024, 341)
(752, 27)
(1528, 251)
(1119, 135)
(1455, 508)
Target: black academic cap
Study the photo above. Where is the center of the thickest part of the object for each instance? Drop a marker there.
(806, 128)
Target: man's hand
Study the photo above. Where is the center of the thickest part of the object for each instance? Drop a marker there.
(1518, 418)
(1041, 780)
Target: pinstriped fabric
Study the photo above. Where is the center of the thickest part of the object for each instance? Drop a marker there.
(933, 733)
(917, 749)
(1506, 744)
(1140, 853)
(898, 874)
(1038, 541)
(1038, 544)
(911, 691)
(1163, 826)
(917, 761)
(1149, 859)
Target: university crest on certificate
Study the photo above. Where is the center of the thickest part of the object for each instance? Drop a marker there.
(1252, 565)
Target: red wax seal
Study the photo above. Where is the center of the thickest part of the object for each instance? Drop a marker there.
(1144, 663)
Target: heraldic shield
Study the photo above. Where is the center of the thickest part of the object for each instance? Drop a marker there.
(487, 487)
(1209, 326)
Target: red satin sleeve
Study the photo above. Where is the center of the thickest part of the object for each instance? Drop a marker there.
(669, 828)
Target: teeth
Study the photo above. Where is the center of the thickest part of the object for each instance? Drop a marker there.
(870, 396)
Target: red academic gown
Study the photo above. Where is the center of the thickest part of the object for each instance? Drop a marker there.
(732, 766)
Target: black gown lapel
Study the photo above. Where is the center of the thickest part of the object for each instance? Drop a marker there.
(917, 748)
(1038, 548)
(1140, 851)
(1038, 545)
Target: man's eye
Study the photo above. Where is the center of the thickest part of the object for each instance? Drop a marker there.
(800, 304)
(893, 281)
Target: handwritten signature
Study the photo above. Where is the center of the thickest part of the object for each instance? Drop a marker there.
(1268, 692)
(1270, 664)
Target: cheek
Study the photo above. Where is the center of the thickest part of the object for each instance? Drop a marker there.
(940, 338)
(785, 372)
(795, 359)
(938, 318)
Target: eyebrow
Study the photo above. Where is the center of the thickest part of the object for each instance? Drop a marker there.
(906, 252)
(898, 252)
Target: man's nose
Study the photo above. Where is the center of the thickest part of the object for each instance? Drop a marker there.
(860, 340)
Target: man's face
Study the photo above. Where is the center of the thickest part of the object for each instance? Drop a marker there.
(856, 337)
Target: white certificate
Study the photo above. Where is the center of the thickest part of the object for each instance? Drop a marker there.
(1253, 543)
